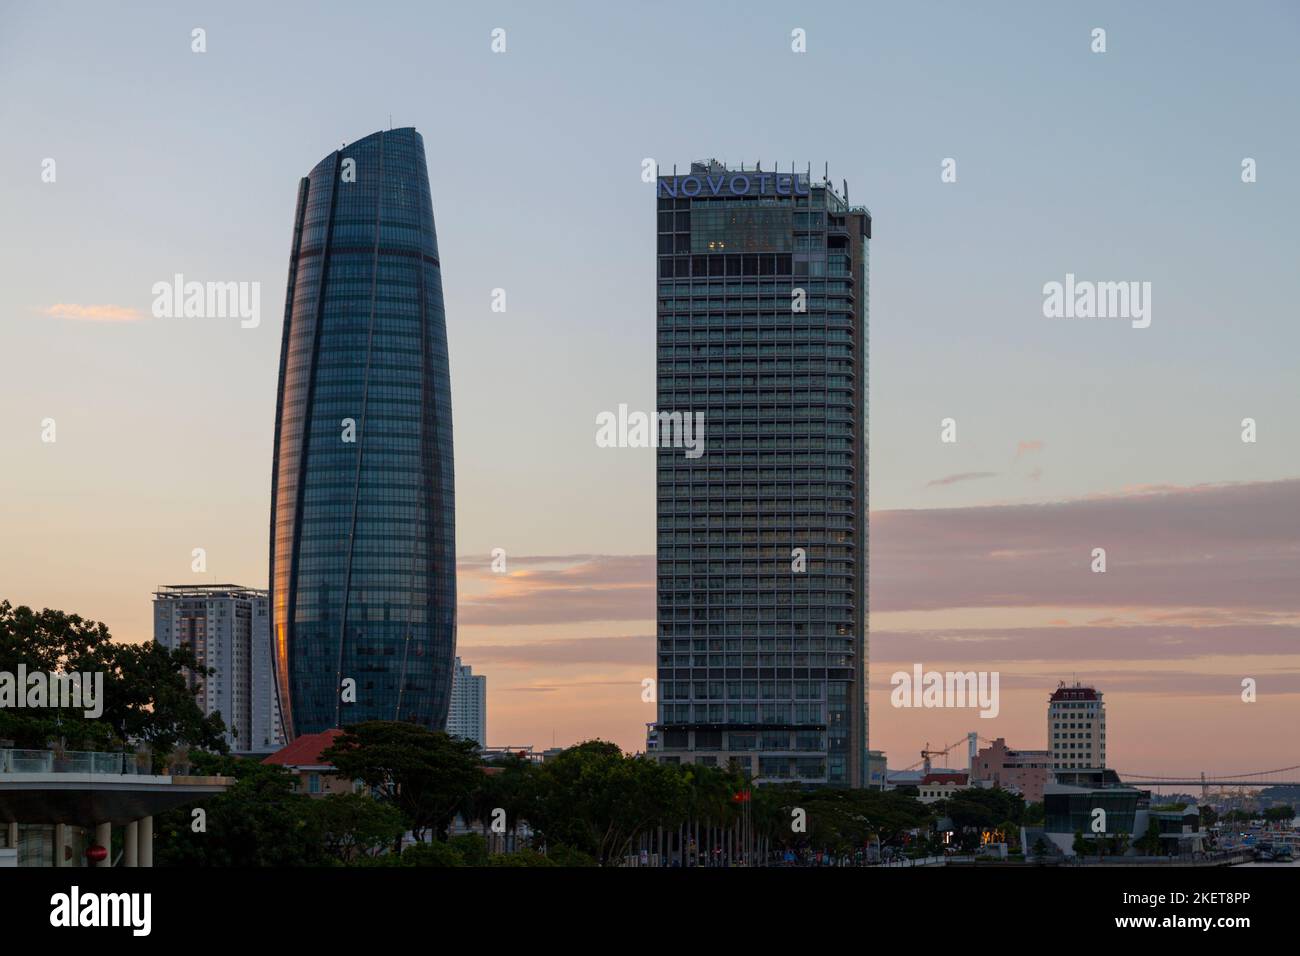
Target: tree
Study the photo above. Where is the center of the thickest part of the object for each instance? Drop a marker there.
(427, 775)
(151, 699)
(595, 799)
(1149, 843)
(147, 693)
(839, 821)
(522, 858)
(1035, 814)
(987, 806)
(355, 825)
(473, 849)
(508, 785)
(431, 854)
(1011, 834)
(1081, 845)
(561, 855)
(1208, 815)
(966, 813)
(260, 821)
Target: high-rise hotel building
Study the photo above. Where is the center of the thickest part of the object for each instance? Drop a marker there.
(363, 536)
(1076, 728)
(762, 279)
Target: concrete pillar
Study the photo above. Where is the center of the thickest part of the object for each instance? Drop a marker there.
(104, 837)
(60, 843)
(131, 845)
(146, 841)
(13, 836)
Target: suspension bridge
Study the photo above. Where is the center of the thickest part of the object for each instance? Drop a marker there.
(1279, 777)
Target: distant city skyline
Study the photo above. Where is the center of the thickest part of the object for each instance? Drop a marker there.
(1071, 434)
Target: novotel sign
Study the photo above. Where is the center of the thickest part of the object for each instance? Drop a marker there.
(734, 184)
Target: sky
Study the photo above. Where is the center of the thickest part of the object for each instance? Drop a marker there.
(1072, 434)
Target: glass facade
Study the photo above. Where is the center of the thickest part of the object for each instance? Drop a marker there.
(762, 327)
(1070, 810)
(363, 562)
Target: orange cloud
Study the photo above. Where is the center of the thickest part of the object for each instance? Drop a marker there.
(93, 313)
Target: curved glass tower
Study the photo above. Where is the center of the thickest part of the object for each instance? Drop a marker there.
(363, 554)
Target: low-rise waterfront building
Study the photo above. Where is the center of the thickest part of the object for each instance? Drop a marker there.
(59, 808)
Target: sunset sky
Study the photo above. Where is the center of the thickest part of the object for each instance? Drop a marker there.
(1072, 434)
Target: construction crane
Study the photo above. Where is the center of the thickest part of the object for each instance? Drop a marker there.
(927, 753)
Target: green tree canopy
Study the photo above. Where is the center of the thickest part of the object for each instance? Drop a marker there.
(427, 775)
(598, 801)
(260, 821)
(147, 695)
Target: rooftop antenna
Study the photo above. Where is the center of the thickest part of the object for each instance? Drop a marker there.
(826, 173)
(390, 121)
(846, 191)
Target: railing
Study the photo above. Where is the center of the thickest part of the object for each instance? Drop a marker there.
(72, 761)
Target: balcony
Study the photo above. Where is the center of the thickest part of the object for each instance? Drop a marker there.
(73, 761)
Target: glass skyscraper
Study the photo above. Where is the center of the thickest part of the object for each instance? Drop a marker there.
(762, 540)
(363, 554)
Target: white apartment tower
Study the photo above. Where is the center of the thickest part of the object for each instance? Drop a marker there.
(468, 714)
(228, 629)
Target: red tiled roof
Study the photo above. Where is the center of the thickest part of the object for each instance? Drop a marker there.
(1073, 693)
(943, 778)
(305, 751)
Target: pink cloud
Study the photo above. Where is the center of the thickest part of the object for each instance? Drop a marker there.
(1070, 645)
(93, 313)
(633, 650)
(1226, 550)
(1214, 546)
(961, 476)
(596, 588)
